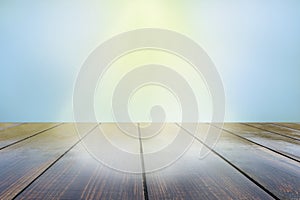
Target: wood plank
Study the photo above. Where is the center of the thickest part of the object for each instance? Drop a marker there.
(284, 145)
(80, 176)
(193, 178)
(24, 167)
(19, 133)
(276, 129)
(278, 174)
(4, 126)
(23, 162)
(294, 126)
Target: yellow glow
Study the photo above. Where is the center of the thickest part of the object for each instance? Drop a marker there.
(141, 102)
(155, 13)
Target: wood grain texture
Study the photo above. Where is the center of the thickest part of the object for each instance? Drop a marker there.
(278, 174)
(293, 126)
(80, 176)
(294, 134)
(22, 162)
(18, 133)
(4, 126)
(55, 165)
(284, 145)
(192, 177)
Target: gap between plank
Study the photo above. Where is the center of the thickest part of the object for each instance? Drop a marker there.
(55, 161)
(271, 132)
(42, 131)
(273, 150)
(231, 164)
(145, 188)
(287, 127)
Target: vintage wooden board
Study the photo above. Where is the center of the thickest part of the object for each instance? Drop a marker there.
(192, 177)
(80, 176)
(18, 133)
(278, 143)
(248, 163)
(294, 134)
(4, 126)
(23, 162)
(295, 126)
(274, 172)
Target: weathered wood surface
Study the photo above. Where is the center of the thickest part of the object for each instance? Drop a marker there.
(246, 163)
(278, 143)
(80, 176)
(294, 134)
(276, 173)
(23, 162)
(294, 126)
(18, 133)
(192, 177)
(4, 126)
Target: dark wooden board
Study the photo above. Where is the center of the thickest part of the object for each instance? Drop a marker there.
(14, 134)
(192, 177)
(53, 165)
(23, 162)
(80, 176)
(277, 129)
(284, 145)
(276, 173)
(294, 126)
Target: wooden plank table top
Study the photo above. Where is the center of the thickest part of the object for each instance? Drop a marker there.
(23, 162)
(295, 126)
(284, 145)
(4, 126)
(18, 133)
(53, 161)
(276, 173)
(280, 130)
(193, 177)
(78, 175)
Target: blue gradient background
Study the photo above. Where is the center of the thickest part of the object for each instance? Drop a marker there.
(255, 46)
